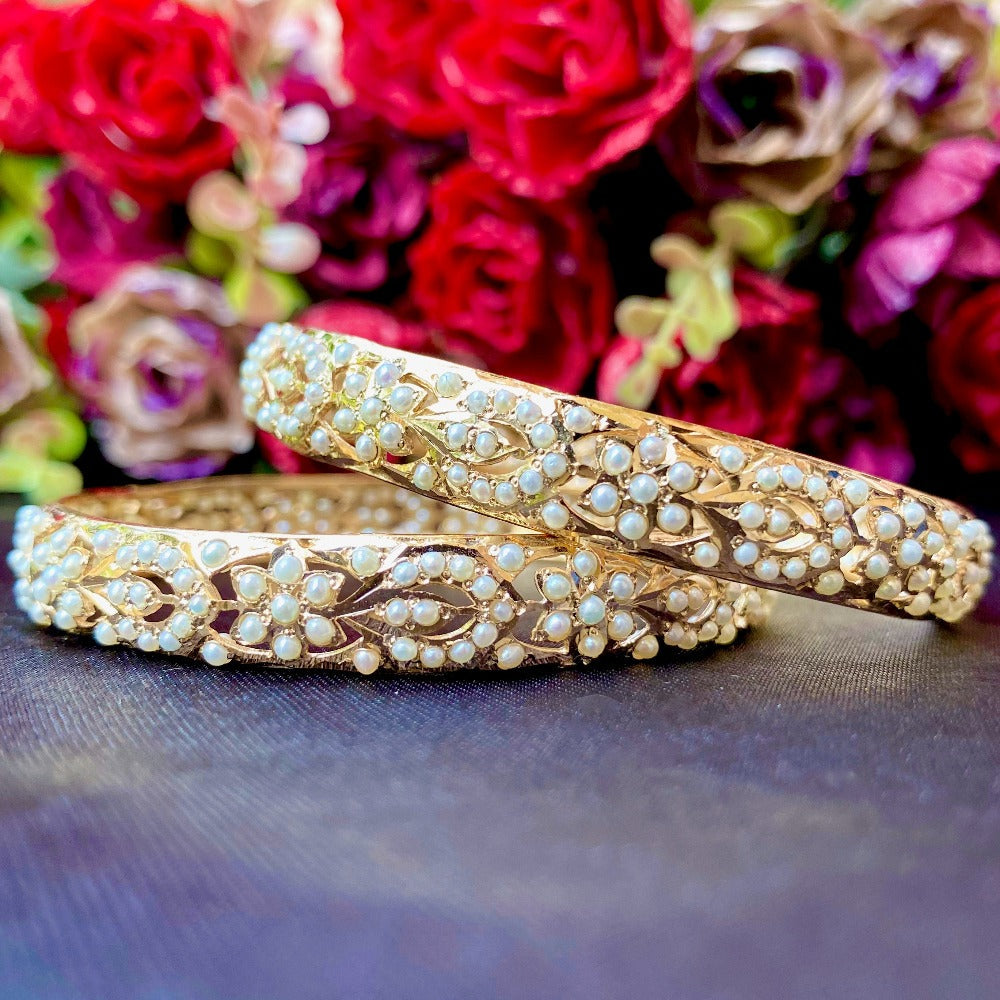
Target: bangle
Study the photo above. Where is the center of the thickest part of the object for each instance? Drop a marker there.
(698, 499)
(343, 571)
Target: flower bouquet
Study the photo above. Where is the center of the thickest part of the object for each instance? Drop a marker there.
(775, 217)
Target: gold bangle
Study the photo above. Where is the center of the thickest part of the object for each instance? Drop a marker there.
(250, 569)
(698, 499)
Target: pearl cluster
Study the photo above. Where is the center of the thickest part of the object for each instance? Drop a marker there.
(744, 511)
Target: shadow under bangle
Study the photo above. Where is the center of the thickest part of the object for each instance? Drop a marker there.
(695, 498)
(346, 572)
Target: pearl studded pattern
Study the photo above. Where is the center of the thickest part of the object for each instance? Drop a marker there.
(686, 496)
(407, 584)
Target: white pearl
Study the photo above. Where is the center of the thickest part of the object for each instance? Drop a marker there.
(554, 465)
(345, 420)
(949, 521)
(933, 542)
(484, 587)
(214, 653)
(181, 625)
(104, 634)
(681, 477)
(146, 550)
(366, 660)
(913, 514)
(816, 488)
(432, 657)
(877, 566)
(486, 444)
(510, 655)
(829, 583)
(366, 448)
(288, 569)
(592, 610)
(506, 494)
(457, 475)
(484, 634)
(426, 612)
(502, 611)
(909, 553)
(746, 554)
(585, 563)
(751, 515)
(462, 651)
(168, 642)
(105, 540)
(887, 526)
(510, 558)
(842, 538)
(645, 648)
(432, 563)
(542, 435)
(477, 402)
(779, 522)
(792, 477)
(604, 498)
(531, 483)
(284, 608)
(397, 611)
(138, 594)
(705, 555)
(768, 479)
(856, 491)
(457, 436)
(794, 569)
(404, 649)
(423, 476)
(168, 559)
(461, 568)
(289, 427)
(287, 647)
(890, 588)
(365, 561)
(343, 353)
(731, 458)
(621, 625)
(622, 586)
(71, 601)
(527, 412)
(833, 510)
(555, 515)
(503, 401)
(643, 488)
(147, 642)
(820, 556)
(633, 525)
(449, 384)
(591, 644)
(557, 626)
(616, 458)
(579, 420)
(386, 374)
(480, 490)
(391, 437)
(401, 399)
(767, 570)
(319, 631)
(672, 518)
(557, 586)
(318, 589)
(652, 450)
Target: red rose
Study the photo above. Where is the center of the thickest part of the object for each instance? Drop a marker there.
(965, 370)
(551, 93)
(756, 386)
(391, 59)
(127, 82)
(523, 285)
(22, 113)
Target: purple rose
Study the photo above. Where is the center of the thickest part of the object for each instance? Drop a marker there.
(364, 192)
(94, 241)
(941, 218)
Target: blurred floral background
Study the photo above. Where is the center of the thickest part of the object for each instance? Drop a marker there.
(778, 218)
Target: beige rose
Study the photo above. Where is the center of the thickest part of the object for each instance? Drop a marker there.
(20, 372)
(939, 54)
(159, 354)
(787, 93)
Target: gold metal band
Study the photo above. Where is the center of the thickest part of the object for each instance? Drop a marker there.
(695, 498)
(343, 571)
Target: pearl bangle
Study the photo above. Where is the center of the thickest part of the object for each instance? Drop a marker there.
(683, 495)
(346, 572)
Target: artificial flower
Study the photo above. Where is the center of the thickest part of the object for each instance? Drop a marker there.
(786, 98)
(964, 366)
(23, 113)
(522, 284)
(940, 218)
(939, 55)
(155, 358)
(392, 60)
(756, 385)
(364, 190)
(551, 93)
(126, 82)
(97, 236)
(21, 374)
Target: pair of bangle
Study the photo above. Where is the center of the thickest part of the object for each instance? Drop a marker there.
(513, 526)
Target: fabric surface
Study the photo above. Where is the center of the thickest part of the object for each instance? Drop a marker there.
(813, 813)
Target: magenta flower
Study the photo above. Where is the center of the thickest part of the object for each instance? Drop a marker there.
(95, 241)
(941, 218)
(364, 192)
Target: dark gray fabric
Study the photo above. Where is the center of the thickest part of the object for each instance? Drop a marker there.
(814, 813)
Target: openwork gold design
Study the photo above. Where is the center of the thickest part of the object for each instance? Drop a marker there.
(692, 497)
(250, 569)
